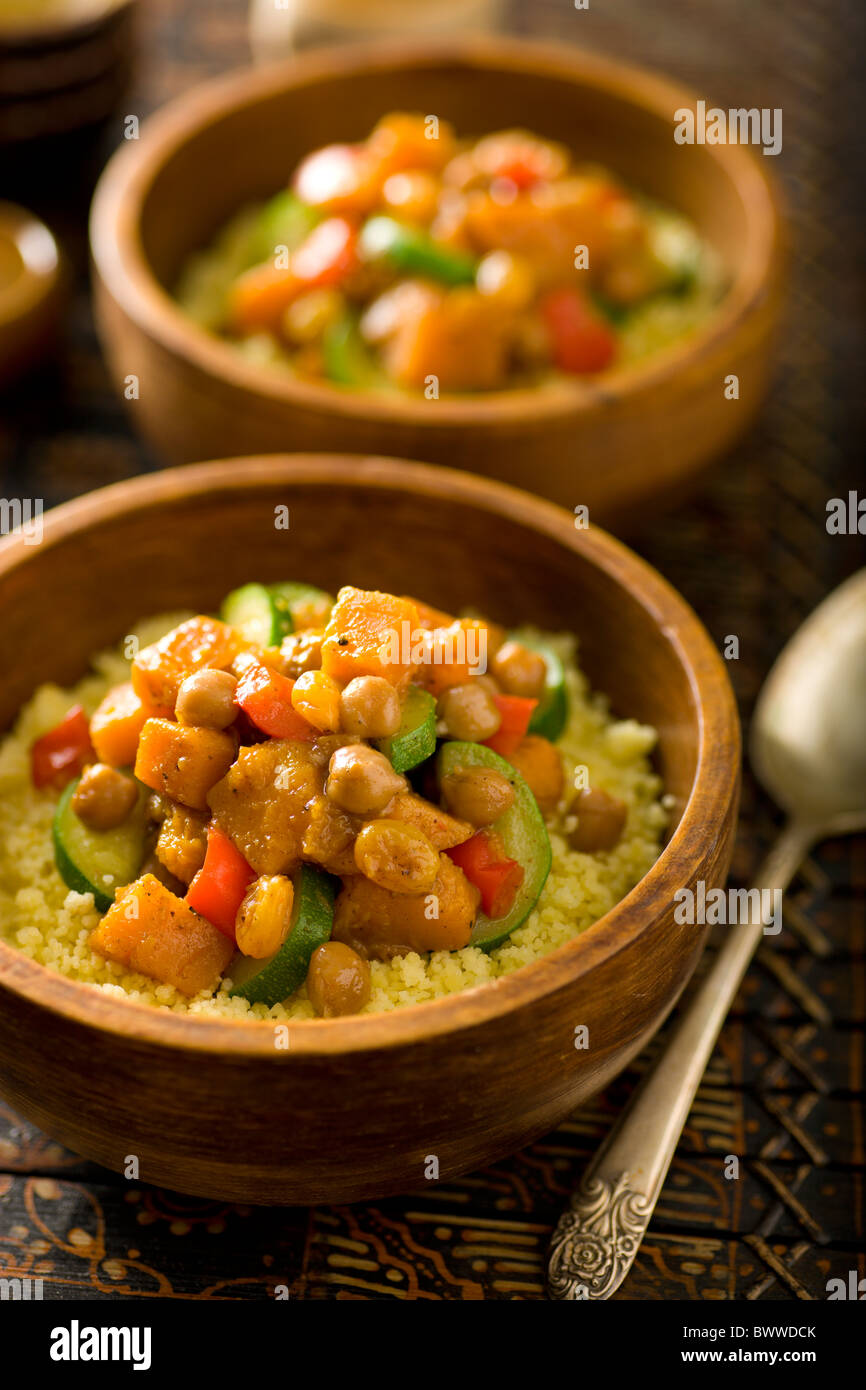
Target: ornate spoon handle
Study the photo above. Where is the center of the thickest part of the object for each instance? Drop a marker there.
(597, 1238)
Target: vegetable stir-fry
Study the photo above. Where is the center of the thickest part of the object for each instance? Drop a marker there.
(416, 261)
(287, 791)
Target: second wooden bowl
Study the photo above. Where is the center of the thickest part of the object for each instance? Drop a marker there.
(357, 1107)
(612, 444)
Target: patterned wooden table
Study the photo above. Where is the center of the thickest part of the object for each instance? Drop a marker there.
(785, 1087)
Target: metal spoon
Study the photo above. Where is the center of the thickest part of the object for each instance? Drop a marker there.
(808, 748)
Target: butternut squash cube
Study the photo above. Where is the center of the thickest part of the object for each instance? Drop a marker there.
(370, 634)
(382, 924)
(262, 802)
(158, 670)
(181, 761)
(157, 934)
(116, 726)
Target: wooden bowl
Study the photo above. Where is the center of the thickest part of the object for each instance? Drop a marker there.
(633, 434)
(354, 1106)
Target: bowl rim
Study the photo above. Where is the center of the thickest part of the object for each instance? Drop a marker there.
(118, 254)
(711, 800)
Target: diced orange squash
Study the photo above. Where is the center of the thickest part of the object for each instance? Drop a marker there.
(261, 803)
(383, 924)
(458, 652)
(544, 225)
(259, 298)
(429, 617)
(157, 934)
(158, 670)
(463, 342)
(406, 140)
(116, 726)
(181, 761)
(370, 634)
(443, 831)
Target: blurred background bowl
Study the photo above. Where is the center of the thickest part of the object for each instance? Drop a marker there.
(635, 435)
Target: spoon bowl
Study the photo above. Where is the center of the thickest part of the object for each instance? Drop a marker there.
(808, 737)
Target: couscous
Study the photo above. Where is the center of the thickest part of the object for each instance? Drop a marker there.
(312, 807)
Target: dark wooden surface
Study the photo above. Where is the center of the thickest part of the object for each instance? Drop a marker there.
(752, 553)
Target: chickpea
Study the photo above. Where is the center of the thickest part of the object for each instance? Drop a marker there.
(479, 795)
(207, 699)
(506, 278)
(264, 917)
(316, 697)
(600, 821)
(104, 797)
(300, 652)
(361, 780)
(338, 980)
(540, 766)
(370, 707)
(469, 712)
(519, 670)
(397, 856)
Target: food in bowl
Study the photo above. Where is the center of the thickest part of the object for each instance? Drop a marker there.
(312, 807)
(412, 261)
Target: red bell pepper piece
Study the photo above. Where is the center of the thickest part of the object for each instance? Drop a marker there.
(218, 889)
(516, 712)
(266, 698)
(61, 754)
(485, 863)
(581, 340)
(327, 255)
(522, 171)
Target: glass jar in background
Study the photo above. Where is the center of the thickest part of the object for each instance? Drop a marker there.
(280, 27)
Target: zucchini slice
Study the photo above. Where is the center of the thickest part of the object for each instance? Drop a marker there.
(348, 361)
(98, 861)
(266, 613)
(522, 831)
(254, 611)
(550, 715)
(415, 740)
(302, 605)
(272, 980)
